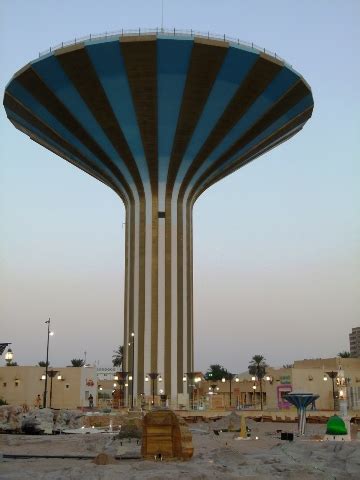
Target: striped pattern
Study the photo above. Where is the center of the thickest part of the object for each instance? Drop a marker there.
(159, 120)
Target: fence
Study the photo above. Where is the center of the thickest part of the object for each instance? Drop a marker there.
(167, 32)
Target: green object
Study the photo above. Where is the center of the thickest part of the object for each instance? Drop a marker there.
(336, 426)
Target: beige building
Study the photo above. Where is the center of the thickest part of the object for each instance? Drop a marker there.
(21, 385)
(305, 376)
(70, 387)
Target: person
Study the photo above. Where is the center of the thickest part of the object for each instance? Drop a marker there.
(91, 401)
(38, 401)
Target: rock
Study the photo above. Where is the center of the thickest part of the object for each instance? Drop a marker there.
(103, 459)
(71, 419)
(38, 421)
(10, 418)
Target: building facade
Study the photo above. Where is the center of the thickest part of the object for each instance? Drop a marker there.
(69, 388)
(159, 118)
(354, 338)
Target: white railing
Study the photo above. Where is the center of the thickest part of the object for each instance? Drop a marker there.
(173, 32)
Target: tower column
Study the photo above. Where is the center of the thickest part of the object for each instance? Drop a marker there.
(158, 294)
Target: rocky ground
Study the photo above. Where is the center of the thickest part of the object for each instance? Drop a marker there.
(216, 457)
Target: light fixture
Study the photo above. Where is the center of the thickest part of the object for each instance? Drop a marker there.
(126, 384)
(325, 378)
(43, 377)
(59, 377)
(130, 377)
(253, 378)
(223, 380)
(217, 388)
(114, 384)
(9, 355)
(237, 379)
(254, 387)
(209, 388)
(132, 334)
(146, 378)
(116, 377)
(100, 388)
(184, 378)
(161, 391)
(51, 333)
(197, 379)
(341, 394)
(267, 378)
(160, 378)
(129, 344)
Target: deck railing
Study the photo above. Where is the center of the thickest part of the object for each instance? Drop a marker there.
(167, 32)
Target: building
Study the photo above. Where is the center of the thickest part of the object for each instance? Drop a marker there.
(354, 338)
(159, 118)
(69, 387)
(310, 375)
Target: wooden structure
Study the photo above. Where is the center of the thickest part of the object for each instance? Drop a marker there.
(166, 436)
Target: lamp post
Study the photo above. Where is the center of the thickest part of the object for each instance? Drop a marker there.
(230, 377)
(51, 374)
(49, 333)
(131, 377)
(120, 377)
(153, 376)
(194, 378)
(332, 375)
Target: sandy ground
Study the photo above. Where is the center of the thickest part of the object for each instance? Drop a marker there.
(215, 457)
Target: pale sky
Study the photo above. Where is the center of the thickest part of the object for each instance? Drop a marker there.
(276, 244)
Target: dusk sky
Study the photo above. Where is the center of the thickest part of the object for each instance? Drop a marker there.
(276, 244)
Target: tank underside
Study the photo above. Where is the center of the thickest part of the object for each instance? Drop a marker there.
(158, 119)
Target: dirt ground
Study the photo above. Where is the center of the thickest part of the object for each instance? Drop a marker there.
(215, 457)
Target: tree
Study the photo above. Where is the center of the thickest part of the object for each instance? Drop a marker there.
(257, 368)
(42, 363)
(77, 362)
(118, 357)
(344, 354)
(216, 372)
(288, 365)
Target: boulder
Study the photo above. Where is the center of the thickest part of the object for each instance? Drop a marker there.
(38, 421)
(10, 418)
(71, 419)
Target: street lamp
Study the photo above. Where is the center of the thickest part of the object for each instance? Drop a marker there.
(194, 378)
(131, 377)
(49, 333)
(120, 377)
(153, 376)
(52, 374)
(230, 377)
(332, 375)
(9, 355)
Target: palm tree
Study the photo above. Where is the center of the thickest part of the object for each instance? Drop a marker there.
(344, 354)
(118, 357)
(257, 368)
(77, 362)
